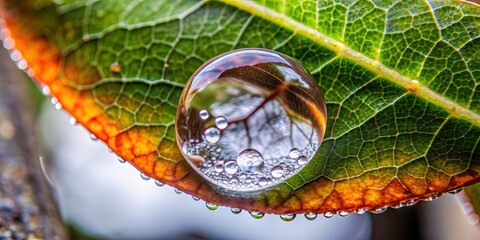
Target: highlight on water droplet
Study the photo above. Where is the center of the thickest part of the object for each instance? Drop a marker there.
(250, 119)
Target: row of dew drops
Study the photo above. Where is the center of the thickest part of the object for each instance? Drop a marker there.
(21, 63)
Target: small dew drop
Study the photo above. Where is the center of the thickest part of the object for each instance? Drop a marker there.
(328, 215)
(121, 160)
(379, 210)
(310, 216)
(343, 213)
(195, 198)
(221, 123)
(93, 137)
(456, 191)
(231, 167)
(235, 210)
(302, 160)
(211, 206)
(361, 211)
(250, 160)
(58, 106)
(294, 153)
(257, 215)
(144, 176)
(204, 114)
(177, 191)
(288, 217)
(72, 121)
(212, 135)
(277, 172)
(196, 159)
(46, 90)
(54, 100)
(158, 183)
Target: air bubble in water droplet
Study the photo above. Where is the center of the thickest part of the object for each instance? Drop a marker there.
(287, 217)
(158, 183)
(221, 123)
(302, 160)
(263, 181)
(250, 160)
(328, 214)
(231, 167)
(144, 176)
(343, 213)
(235, 210)
(257, 215)
(218, 167)
(212, 135)
(310, 216)
(204, 114)
(232, 109)
(294, 153)
(277, 172)
(211, 206)
(177, 191)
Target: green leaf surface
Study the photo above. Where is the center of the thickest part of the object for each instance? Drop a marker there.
(401, 80)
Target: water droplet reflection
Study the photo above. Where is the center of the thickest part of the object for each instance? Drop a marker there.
(254, 117)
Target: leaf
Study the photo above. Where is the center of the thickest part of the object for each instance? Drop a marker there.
(401, 81)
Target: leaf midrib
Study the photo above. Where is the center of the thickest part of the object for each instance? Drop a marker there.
(412, 85)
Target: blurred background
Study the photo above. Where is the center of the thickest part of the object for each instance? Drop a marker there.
(101, 198)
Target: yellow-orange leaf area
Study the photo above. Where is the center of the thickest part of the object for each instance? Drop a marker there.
(142, 145)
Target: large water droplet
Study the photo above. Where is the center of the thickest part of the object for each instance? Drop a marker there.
(256, 107)
(250, 160)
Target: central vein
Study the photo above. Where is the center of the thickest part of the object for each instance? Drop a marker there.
(375, 66)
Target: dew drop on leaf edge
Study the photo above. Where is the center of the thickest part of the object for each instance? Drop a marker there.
(223, 114)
